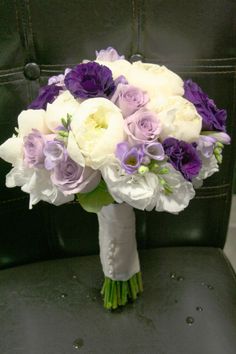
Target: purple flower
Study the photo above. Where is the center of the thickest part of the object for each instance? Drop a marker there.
(129, 99)
(55, 153)
(33, 149)
(47, 94)
(206, 145)
(72, 178)
(90, 80)
(142, 127)
(109, 54)
(58, 79)
(130, 157)
(155, 151)
(212, 117)
(183, 157)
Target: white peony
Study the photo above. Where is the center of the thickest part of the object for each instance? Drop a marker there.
(12, 149)
(118, 67)
(64, 104)
(182, 192)
(97, 126)
(139, 191)
(179, 119)
(37, 183)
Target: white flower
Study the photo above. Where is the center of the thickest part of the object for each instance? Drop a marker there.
(182, 192)
(64, 104)
(179, 119)
(118, 67)
(12, 149)
(209, 167)
(37, 183)
(97, 127)
(139, 191)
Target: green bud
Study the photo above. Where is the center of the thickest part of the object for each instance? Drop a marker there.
(219, 159)
(163, 171)
(64, 122)
(220, 145)
(143, 169)
(63, 134)
(217, 151)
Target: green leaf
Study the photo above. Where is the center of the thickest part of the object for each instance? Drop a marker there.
(95, 200)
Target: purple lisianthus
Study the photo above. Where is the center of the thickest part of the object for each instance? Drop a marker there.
(47, 94)
(90, 80)
(183, 157)
(109, 54)
(72, 178)
(59, 79)
(130, 157)
(206, 145)
(155, 151)
(129, 99)
(55, 153)
(213, 118)
(142, 126)
(33, 149)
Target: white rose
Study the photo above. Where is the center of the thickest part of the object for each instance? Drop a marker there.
(12, 149)
(97, 127)
(139, 191)
(64, 104)
(179, 119)
(37, 183)
(182, 192)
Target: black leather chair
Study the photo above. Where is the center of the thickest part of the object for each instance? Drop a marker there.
(49, 300)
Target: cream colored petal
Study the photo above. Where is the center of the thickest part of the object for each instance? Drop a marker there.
(12, 150)
(32, 119)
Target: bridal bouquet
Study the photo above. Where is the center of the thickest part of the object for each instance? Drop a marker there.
(116, 136)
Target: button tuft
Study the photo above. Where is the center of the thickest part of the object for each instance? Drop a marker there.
(32, 71)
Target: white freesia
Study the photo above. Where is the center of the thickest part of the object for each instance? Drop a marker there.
(139, 191)
(12, 149)
(64, 104)
(37, 183)
(209, 167)
(179, 119)
(97, 127)
(182, 192)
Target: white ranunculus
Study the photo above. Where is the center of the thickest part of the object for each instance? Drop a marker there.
(37, 183)
(209, 167)
(182, 192)
(139, 191)
(64, 104)
(179, 119)
(97, 126)
(12, 149)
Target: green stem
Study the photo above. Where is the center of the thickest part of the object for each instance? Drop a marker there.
(117, 293)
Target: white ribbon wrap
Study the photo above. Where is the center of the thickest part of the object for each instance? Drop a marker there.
(117, 240)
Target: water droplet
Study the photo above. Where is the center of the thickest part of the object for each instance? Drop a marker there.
(199, 308)
(78, 343)
(210, 287)
(180, 278)
(189, 320)
(63, 295)
(172, 275)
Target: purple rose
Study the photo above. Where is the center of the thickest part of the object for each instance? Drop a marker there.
(90, 80)
(183, 157)
(129, 99)
(55, 153)
(142, 127)
(130, 157)
(72, 178)
(33, 149)
(109, 54)
(212, 117)
(47, 94)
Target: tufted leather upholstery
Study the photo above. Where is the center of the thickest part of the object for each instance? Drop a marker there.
(41, 38)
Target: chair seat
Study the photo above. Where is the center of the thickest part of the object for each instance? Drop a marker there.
(188, 306)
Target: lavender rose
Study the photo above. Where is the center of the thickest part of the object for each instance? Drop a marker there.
(183, 157)
(212, 117)
(129, 99)
(131, 158)
(72, 178)
(55, 153)
(33, 149)
(142, 127)
(89, 80)
(109, 54)
(47, 94)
